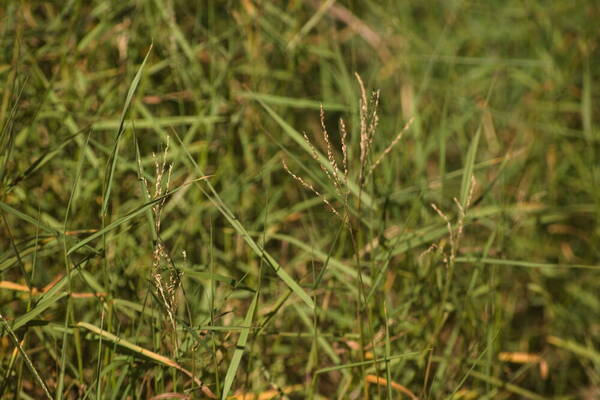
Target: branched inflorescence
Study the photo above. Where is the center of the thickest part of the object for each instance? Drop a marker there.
(165, 277)
(338, 177)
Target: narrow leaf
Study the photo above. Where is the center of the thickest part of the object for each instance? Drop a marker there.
(113, 156)
(239, 349)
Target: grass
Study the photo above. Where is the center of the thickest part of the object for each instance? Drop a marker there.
(160, 237)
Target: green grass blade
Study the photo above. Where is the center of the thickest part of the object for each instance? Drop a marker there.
(163, 122)
(519, 391)
(51, 297)
(214, 197)
(115, 224)
(525, 264)
(368, 362)
(239, 348)
(18, 214)
(343, 269)
(113, 156)
(28, 361)
(293, 102)
(575, 348)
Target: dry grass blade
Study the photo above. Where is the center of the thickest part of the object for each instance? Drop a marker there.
(214, 197)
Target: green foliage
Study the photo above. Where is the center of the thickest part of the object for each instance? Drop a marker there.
(153, 244)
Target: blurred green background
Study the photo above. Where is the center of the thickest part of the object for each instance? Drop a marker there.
(152, 243)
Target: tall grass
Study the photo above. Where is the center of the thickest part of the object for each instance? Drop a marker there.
(259, 200)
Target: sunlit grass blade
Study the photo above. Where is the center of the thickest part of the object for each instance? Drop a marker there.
(239, 348)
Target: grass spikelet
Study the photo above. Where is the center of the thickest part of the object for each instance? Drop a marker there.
(334, 168)
(309, 187)
(344, 149)
(391, 145)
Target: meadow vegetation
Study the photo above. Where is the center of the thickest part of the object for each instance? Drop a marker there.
(299, 200)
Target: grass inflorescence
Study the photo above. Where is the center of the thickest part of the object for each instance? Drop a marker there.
(310, 199)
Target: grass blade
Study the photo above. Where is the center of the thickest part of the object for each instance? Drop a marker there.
(51, 297)
(214, 197)
(30, 365)
(519, 391)
(525, 264)
(575, 348)
(113, 156)
(239, 348)
(6, 208)
(143, 353)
